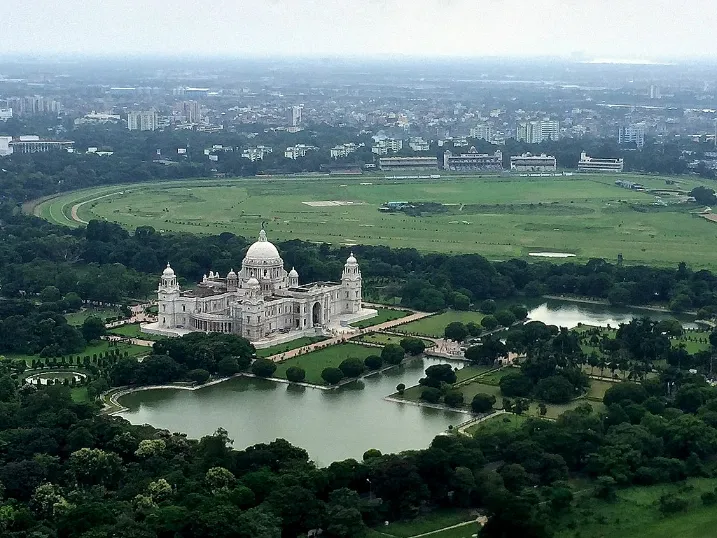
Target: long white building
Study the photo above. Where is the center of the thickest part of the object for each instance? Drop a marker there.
(262, 302)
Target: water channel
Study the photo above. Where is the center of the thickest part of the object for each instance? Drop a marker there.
(332, 425)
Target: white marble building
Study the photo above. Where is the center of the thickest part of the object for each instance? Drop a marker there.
(263, 302)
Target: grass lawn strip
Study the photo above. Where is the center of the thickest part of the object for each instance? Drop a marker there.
(635, 513)
(315, 362)
(384, 315)
(433, 521)
(434, 326)
(288, 346)
(78, 318)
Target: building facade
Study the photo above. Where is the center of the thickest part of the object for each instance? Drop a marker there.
(533, 163)
(408, 163)
(261, 302)
(535, 132)
(142, 121)
(631, 134)
(590, 164)
(473, 161)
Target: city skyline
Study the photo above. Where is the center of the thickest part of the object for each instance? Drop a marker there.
(597, 31)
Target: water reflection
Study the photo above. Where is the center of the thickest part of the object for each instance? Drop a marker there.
(331, 425)
(570, 314)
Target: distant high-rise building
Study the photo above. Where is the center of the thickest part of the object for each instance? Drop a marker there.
(5, 114)
(631, 134)
(655, 92)
(295, 115)
(33, 105)
(482, 131)
(192, 111)
(142, 121)
(535, 132)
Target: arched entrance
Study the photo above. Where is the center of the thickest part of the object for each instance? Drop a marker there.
(316, 314)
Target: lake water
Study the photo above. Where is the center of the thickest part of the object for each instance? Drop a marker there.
(330, 425)
(339, 424)
(570, 314)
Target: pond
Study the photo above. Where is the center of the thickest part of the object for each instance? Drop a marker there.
(330, 425)
(570, 314)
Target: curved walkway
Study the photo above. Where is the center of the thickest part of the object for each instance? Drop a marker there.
(73, 211)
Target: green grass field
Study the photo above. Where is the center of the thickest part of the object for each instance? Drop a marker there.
(499, 423)
(78, 318)
(426, 523)
(132, 330)
(435, 325)
(288, 346)
(498, 217)
(315, 362)
(383, 339)
(384, 315)
(635, 513)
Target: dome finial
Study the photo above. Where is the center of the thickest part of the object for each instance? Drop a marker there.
(262, 234)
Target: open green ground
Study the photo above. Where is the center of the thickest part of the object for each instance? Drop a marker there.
(315, 362)
(132, 330)
(498, 217)
(383, 339)
(426, 523)
(435, 325)
(288, 346)
(78, 318)
(635, 514)
(384, 315)
(101, 347)
(499, 423)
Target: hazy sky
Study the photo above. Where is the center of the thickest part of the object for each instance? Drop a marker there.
(599, 28)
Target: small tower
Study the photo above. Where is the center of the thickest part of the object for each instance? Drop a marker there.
(232, 280)
(253, 311)
(167, 296)
(351, 283)
(293, 278)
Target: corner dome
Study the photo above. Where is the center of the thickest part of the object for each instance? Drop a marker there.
(293, 273)
(351, 260)
(262, 250)
(252, 283)
(168, 271)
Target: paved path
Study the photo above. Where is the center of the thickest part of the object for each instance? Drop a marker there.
(344, 337)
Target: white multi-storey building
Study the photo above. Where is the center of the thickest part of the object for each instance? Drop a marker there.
(383, 147)
(256, 154)
(631, 134)
(535, 132)
(482, 131)
(5, 114)
(299, 150)
(590, 164)
(343, 150)
(533, 163)
(263, 302)
(142, 121)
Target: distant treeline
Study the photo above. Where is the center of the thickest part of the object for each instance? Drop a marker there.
(103, 262)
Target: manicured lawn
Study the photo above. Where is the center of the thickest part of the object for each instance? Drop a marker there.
(635, 514)
(288, 346)
(101, 347)
(494, 377)
(383, 339)
(315, 362)
(79, 394)
(384, 315)
(78, 318)
(426, 523)
(435, 325)
(133, 331)
(499, 423)
(497, 217)
(469, 371)
(597, 389)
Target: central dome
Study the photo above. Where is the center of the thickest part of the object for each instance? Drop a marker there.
(263, 251)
